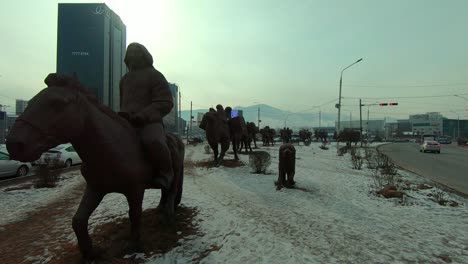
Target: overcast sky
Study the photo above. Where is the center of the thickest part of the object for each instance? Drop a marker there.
(288, 54)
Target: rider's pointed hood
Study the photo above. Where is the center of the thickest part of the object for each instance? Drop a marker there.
(137, 56)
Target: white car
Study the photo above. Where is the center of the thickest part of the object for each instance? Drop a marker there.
(430, 146)
(63, 155)
(12, 167)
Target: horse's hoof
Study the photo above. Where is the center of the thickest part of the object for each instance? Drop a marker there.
(133, 246)
(95, 257)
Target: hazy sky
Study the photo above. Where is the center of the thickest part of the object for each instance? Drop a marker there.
(287, 54)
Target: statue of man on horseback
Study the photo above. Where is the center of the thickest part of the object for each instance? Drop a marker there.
(145, 99)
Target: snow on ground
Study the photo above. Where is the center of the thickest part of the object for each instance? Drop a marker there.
(332, 217)
(336, 220)
(18, 204)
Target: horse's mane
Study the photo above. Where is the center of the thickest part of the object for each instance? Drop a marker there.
(54, 79)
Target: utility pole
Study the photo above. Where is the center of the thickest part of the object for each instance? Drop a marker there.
(360, 119)
(179, 123)
(320, 118)
(191, 119)
(258, 117)
(367, 126)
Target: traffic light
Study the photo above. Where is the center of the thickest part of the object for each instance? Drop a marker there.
(385, 104)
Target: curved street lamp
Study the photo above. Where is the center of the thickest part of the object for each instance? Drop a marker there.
(339, 99)
(458, 133)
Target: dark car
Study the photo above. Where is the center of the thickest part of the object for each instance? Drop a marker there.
(444, 140)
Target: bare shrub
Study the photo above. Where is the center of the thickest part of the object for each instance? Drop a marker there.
(382, 160)
(356, 159)
(343, 150)
(440, 197)
(324, 146)
(381, 180)
(259, 161)
(207, 149)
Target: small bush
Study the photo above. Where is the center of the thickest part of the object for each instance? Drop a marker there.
(47, 178)
(207, 149)
(324, 146)
(259, 161)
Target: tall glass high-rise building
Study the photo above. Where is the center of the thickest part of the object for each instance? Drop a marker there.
(91, 42)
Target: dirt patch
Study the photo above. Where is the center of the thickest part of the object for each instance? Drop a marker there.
(25, 186)
(110, 238)
(30, 240)
(211, 164)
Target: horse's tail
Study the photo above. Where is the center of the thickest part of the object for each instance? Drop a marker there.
(177, 148)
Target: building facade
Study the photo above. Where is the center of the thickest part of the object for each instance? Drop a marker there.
(91, 42)
(171, 120)
(429, 123)
(455, 128)
(21, 106)
(370, 127)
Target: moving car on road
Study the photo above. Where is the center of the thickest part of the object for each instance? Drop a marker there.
(12, 167)
(444, 140)
(430, 146)
(63, 155)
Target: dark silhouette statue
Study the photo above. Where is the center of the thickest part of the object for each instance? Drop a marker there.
(236, 129)
(113, 156)
(253, 131)
(217, 132)
(286, 166)
(145, 99)
(286, 134)
(248, 136)
(267, 136)
(305, 135)
(349, 136)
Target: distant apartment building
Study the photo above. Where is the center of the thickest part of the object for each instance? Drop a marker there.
(404, 126)
(91, 42)
(429, 123)
(171, 121)
(21, 106)
(455, 128)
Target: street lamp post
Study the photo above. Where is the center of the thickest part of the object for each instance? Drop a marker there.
(458, 125)
(339, 100)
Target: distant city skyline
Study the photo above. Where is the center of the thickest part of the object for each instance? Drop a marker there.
(285, 54)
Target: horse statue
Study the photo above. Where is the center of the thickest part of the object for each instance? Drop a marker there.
(247, 137)
(217, 132)
(113, 160)
(267, 136)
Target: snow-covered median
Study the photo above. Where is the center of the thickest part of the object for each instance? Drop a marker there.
(333, 216)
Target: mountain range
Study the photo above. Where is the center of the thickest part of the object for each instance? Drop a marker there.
(277, 118)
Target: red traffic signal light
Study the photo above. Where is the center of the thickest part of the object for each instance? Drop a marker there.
(393, 104)
(383, 104)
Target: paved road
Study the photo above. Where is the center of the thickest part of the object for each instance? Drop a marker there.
(449, 168)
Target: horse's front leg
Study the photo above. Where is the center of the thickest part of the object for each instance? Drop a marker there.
(89, 202)
(235, 145)
(135, 200)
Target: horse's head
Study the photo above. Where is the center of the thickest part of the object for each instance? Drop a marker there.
(51, 118)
